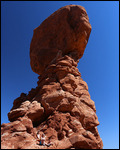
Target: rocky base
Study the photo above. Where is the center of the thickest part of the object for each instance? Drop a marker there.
(60, 107)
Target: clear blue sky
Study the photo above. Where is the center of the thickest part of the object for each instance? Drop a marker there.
(99, 65)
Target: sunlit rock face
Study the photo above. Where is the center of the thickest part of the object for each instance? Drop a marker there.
(60, 106)
(67, 29)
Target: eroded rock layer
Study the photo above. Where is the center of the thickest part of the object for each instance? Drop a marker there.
(60, 106)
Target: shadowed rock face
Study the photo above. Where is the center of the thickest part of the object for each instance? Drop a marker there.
(60, 106)
(67, 29)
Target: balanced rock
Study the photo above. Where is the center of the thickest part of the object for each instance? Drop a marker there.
(67, 29)
(60, 106)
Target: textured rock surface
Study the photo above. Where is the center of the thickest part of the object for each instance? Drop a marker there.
(67, 29)
(60, 107)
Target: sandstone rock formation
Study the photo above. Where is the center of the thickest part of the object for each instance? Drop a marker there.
(60, 106)
(67, 29)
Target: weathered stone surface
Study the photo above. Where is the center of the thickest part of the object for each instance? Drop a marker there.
(32, 109)
(16, 134)
(60, 107)
(67, 29)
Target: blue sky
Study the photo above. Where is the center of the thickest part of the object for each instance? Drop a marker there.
(99, 65)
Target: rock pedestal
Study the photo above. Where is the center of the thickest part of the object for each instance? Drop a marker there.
(60, 106)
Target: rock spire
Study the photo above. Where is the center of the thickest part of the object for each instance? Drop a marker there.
(60, 106)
